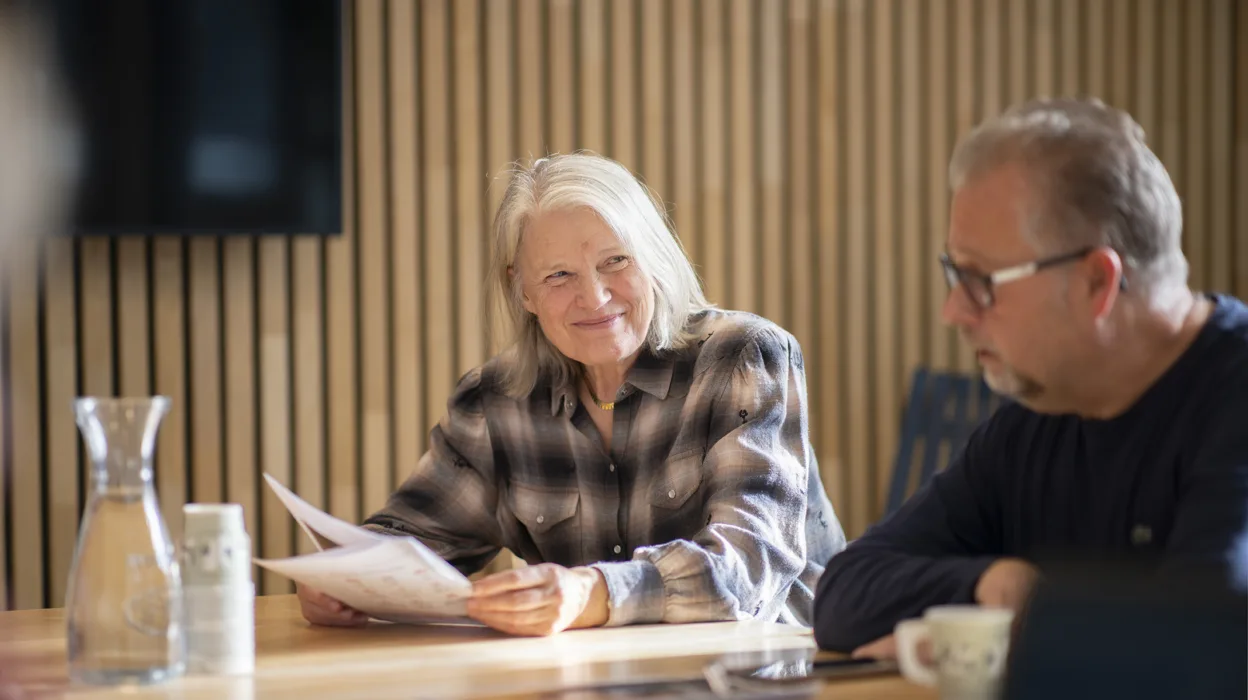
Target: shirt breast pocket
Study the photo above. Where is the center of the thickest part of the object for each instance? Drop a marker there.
(549, 515)
(675, 486)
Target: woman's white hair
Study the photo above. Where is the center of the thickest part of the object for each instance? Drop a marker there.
(1096, 181)
(630, 210)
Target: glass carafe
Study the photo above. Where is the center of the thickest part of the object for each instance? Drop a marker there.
(123, 605)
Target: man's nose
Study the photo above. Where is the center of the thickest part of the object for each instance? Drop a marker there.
(958, 310)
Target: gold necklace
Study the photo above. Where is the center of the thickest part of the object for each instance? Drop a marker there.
(601, 404)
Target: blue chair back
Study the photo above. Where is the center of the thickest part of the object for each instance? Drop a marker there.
(940, 414)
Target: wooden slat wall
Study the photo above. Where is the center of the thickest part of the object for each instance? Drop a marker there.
(800, 147)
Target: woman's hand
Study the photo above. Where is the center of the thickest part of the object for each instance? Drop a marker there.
(320, 609)
(540, 600)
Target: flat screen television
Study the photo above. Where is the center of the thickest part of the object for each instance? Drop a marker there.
(202, 116)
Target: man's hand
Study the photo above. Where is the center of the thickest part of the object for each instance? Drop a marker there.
(1007, 583)
(540, 600)
(882, 648)
(320, 609)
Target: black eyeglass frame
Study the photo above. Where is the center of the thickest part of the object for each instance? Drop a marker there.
(981, 287)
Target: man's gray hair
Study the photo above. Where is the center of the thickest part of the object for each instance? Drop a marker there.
(1095, 179)
(631, 211)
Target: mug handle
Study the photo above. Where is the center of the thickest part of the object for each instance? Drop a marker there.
(909, 634)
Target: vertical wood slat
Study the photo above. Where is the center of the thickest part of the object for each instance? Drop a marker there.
(992, 32)
(133, 345)
(372, 242)
(1241, 151)
(742, 292)
(561, 59)
(6, 464)
(773, 226)
(1120, 91)
(1020, 30)
(937, 194)
(966, 42)
(827, 367)
(857, 324)
(591, 65)
(661, 69)
(241, 429)
(1096, 44)
(1220, 110)
(1171, 136)
(686, 200)
(95, 302)
(883, 251)
(501, 149)
(1195, 134)
(938, 151)
(624, 97)
(1148, 76)
(274, 427)
(713, 215)
(64, 471)
(405, 210)
(28, 511)
(1071, 79)
(531, 83)
(469, 186)
(206, 381)
(6, 469)
(307, 330)
(341, 399)
(798, 270)
(916, 266)
(1044, 48)
(438, 245)
(169, 356)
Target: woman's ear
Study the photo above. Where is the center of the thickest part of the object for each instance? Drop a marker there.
(524, 298)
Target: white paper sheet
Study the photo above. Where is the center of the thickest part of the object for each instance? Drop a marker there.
(309, 516)
(389, 578)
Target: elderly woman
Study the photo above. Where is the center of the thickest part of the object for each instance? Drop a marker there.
(647, 453)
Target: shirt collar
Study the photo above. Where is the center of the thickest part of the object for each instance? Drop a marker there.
(649, 373)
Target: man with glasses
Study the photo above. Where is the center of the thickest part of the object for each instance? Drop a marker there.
(1127, 435)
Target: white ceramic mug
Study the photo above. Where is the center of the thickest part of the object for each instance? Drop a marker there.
(969, 645)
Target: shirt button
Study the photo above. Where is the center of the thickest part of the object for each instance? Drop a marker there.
(617, 549)
(541, 519)
(611, 468)
(671, 494)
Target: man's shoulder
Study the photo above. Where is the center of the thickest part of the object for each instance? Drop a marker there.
(1226, 333)
(1214, 372)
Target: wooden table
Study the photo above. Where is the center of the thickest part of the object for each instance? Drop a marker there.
(380, 660)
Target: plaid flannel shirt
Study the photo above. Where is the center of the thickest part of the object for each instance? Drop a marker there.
(709, 505)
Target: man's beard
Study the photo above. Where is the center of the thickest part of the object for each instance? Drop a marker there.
(1006, 381)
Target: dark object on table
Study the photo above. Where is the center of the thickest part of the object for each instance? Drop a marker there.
(1103, 634)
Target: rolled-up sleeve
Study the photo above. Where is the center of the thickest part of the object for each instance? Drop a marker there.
(752, 549)
(449, 500)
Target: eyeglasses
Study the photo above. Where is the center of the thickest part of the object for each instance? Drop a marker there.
(981, 287)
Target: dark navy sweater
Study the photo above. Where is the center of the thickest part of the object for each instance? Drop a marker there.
(1164, 487)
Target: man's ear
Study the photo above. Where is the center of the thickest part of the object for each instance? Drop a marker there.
(1106, 280)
